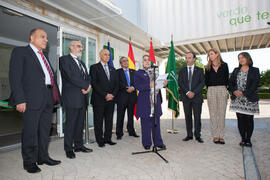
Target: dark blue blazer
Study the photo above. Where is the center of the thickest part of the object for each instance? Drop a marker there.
(27, 79)
(253, 81)
(196, 85)
(142, 83)
(123, 96)
(73, 82)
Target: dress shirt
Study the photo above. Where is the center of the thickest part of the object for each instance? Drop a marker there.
(104, 67)
(46, 73)
(192, 70)
(75, 58)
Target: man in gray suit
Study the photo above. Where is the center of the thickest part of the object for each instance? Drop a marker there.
(191, 82)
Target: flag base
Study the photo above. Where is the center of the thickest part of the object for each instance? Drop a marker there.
(172, 131)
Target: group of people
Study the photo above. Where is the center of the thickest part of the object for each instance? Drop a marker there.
(34, 92)
(242, 86)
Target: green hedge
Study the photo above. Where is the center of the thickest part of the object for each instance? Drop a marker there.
(264, 95)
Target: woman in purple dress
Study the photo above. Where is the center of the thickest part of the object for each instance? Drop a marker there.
(144, 83)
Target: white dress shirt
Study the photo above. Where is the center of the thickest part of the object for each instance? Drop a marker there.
(104, 67)
(77, 62)
(192, 70)
(46, 73)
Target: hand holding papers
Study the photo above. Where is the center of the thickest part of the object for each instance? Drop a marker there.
(160, 80)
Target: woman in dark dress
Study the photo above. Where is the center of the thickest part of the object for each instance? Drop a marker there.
(144, 83)
(243, 86)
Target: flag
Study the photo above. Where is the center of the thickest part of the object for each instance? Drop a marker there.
(131, 62)
(151, 53)
(172, 87)
(110, 63)
(131, 59)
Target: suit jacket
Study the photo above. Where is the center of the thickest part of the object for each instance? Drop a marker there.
(196, 85)
(123, 96)
(73, 82)
(253, 81)
(27, 79)
(142, 83)
(102, 85)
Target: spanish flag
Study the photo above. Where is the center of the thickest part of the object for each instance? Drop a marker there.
(131, 61)
(151, 53)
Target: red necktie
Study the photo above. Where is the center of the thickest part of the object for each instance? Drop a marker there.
(47, 66)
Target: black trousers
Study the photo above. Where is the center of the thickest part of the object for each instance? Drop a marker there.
(196, 108)
(245, 126)
(121, 109)
(36, 131)
(74, 124)
(103, 113)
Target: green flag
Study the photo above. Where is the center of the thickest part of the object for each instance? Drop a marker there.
(172, 87)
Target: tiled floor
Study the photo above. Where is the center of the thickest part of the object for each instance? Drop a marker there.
(187, 160)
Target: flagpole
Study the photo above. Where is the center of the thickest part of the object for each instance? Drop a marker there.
(172, 130)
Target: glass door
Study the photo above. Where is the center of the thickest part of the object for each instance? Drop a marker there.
(88, 57)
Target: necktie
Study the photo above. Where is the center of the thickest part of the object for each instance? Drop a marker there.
(127, 77)
(189, 77)
(82, 69)
(107, 71)
(47, 67)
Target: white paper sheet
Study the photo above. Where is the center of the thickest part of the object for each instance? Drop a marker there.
(161, 78)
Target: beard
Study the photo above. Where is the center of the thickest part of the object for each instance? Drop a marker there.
(79, 55)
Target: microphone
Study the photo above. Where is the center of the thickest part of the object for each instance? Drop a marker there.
(154, 66)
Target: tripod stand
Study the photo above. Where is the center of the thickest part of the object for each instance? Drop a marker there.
(154, 150)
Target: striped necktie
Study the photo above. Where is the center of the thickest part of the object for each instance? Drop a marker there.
(47, 67)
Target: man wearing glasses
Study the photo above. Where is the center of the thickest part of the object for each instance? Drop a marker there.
(76, 86)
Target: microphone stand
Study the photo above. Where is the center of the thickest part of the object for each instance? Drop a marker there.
(154, 150)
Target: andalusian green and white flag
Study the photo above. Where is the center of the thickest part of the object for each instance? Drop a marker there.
(172, 87)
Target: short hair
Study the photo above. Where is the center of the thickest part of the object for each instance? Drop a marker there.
(194, 55)
(102, 51)
(145, 56)
(32, 32)
(248, 57)
(121, 58)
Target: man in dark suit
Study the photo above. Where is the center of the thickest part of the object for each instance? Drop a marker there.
(32, 79)
(126, 99)
(76, 86)
(191, 82)
(104, 81)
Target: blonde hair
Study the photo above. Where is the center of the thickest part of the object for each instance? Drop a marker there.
(209, 64)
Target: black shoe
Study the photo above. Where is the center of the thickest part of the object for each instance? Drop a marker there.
(110, 142)
(119, 137)
(101, 145)
(147, 147)
(32, 168)
(162, 147)
(200, 140)
(187, 138)
(49, 162)
(83, 149)
(134, 135)
(70, 154)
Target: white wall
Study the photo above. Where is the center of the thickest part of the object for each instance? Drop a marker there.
(193, 19)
